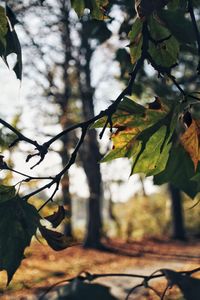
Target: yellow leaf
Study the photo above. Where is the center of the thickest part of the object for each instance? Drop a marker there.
(190, 140)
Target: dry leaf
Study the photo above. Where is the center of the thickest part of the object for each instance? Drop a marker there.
(56, 240)
(190, 140)
(57, 217)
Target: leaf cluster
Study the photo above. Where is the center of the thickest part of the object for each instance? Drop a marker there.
(161, 138)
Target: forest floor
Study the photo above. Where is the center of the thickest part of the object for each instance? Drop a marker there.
(44, 267)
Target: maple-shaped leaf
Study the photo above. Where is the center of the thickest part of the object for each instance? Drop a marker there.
(57, 217)
(130, 114)
(18, 223)
(153, 151)
(143, 134)
(56, 240)
(190, 141)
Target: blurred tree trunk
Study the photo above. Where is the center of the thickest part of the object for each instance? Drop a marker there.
(62, 99)
(177, 213)
(90, 154)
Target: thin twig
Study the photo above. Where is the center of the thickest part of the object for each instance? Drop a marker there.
(164, 292)
(28, 177)
(51, 198)
(20, 136)
(133, 289)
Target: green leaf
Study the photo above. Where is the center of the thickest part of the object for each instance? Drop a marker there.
(143, 134)
(18, 223)
(155, 145)
(183, 29)
(153, 154)
(6, 193)
(3, 30)
(78, 6)
(97, 7)
(180, 172)
(165, 48)
(136, 40)
(126, 114)
(124, 144)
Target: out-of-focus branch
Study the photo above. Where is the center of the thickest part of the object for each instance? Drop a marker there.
(42, 149)
(162, 273)
(20, 136)
(196, 29)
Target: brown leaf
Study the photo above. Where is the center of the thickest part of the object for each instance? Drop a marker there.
(190, 140)
(56, 240)
(57, 217)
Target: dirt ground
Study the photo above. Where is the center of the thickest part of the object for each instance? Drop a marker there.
(44, 267)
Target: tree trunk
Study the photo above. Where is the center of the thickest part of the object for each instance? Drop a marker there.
(66, 194)
(90, 155)
(177, 213)
(63, 98)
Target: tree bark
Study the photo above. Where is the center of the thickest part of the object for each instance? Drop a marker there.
(90, 154)
(177, 214)
(62, 98)
(89, 157)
